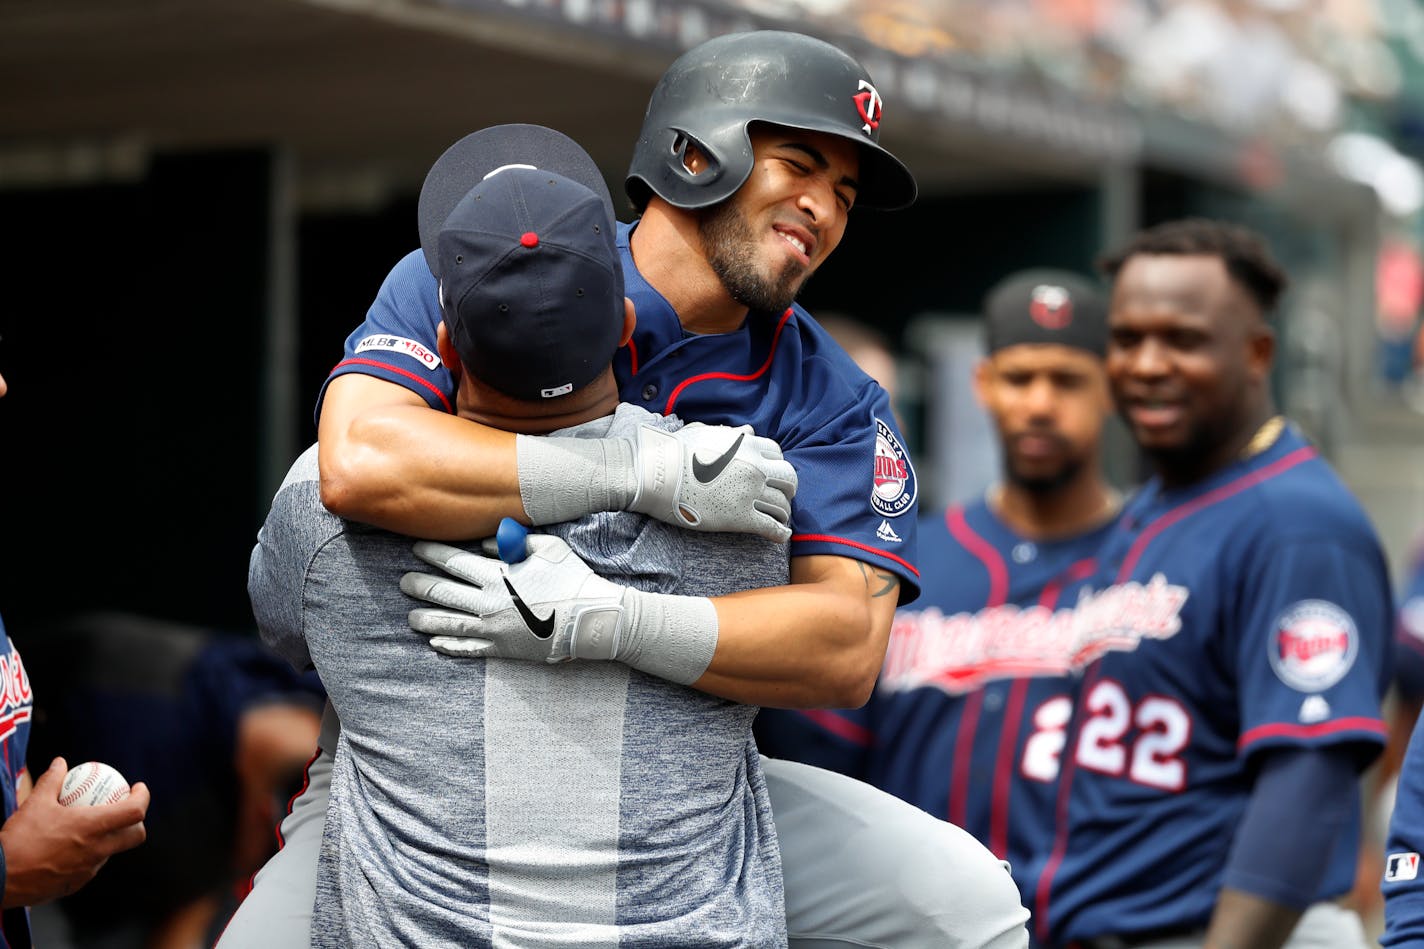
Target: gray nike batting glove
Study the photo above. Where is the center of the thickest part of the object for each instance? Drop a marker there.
(550, 607)
(705, 477)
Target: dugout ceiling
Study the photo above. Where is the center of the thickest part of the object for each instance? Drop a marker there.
(362, 94)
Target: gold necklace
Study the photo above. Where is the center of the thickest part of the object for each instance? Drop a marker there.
(1265, 436)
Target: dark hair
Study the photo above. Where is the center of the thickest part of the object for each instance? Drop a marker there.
(1247, 258)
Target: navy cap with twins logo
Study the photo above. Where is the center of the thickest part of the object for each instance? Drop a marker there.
(517, 225)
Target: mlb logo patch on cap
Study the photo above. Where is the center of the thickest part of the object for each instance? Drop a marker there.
(1399, 867)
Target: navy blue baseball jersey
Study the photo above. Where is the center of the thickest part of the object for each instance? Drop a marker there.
(780, 373)
(969, 716)
(1248, 612)
(16, 710)
(1403, 885)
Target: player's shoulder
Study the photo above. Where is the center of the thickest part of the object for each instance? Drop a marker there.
(1304, 496)
(824, 382)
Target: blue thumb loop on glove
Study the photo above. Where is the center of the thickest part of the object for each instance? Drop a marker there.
(510, 540)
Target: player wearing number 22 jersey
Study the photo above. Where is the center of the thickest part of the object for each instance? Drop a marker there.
(1237, 627)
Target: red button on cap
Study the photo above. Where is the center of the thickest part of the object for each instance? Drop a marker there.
(529, 239)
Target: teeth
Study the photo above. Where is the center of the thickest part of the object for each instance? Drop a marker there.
(792, 241)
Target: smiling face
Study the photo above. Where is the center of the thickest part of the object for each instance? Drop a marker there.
(767, 239)
(1189, 354)
(1048, 403)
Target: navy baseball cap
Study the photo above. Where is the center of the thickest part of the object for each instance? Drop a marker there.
(1046, 306)
(517, 225)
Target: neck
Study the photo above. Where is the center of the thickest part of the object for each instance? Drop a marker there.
(594, 401)
(1084, 503)
(1194, 465)
(667, 249)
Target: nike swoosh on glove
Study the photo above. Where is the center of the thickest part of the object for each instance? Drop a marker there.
(714, 478)
(549, 607)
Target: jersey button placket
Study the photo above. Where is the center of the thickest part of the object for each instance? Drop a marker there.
(650, 392)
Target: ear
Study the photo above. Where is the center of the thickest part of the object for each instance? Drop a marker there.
(448, 355)
(1261, 351)
(983, 376)
(693, 159)
(630, 320)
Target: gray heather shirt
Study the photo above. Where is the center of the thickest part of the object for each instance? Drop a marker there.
(504, 803)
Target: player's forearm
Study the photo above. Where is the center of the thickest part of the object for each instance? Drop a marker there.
(408, 469)
(1244, 921)
(816, 643)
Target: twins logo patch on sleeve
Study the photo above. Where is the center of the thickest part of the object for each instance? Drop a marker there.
(893, 491)
(400, 344)
(1314, 645)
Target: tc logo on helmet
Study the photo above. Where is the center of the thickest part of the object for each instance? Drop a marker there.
(868, 104)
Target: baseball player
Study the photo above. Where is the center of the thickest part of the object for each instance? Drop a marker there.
(47, 850)
(1236, 642)
(551, 803)
(968, 718)
(718, 339)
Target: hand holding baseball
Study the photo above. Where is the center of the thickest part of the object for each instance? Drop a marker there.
(52, 850)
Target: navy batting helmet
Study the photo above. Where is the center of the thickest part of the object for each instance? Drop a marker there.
(711, 93)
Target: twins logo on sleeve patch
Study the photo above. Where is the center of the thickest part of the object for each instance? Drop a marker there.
(1399, 867)
(893, 491)
(400, 344)
(1314, 645)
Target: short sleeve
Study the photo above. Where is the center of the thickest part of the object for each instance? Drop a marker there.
(857, 494)
(1311, 660)
(397, 341)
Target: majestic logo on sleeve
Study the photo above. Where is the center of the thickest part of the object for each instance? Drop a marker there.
(962, 652)
(894, 486)
(400, 344)
(868, 104)
(1314, 645)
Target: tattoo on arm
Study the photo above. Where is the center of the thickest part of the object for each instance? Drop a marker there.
(891, 582)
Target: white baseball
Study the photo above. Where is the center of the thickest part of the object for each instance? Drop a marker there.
(91, 783)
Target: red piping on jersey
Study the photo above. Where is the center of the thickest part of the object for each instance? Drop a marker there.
(828, 539)
(963, 751)
(1060, 816)
(969, 720)
(731, 377)
(840, 727)
(1248, 480)
(1005, 762)
(1285, 730)
(632, 357)
(981, 548)
(403, 372)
